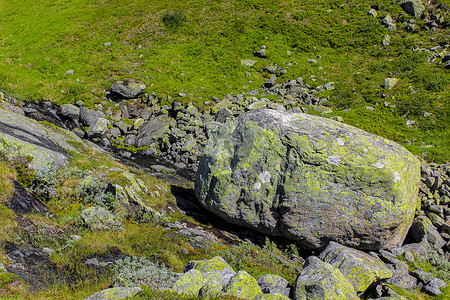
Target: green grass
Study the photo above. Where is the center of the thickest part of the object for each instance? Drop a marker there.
(195, 47)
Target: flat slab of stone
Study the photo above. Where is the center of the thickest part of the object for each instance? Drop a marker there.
(24, 136)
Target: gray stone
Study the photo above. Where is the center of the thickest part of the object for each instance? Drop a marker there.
(273, 284)
(360, 269)
(189, 283)
(413, 7)
(128, 90)
(389, 83)
(23, 136)
(372, 13)
(422, 228)
(223, 115)
(98, 129)
(215, 269)
(116, 293)
(98, 218)
(310, 179)
(89, 116)
(69, 111)
(422, 276)
(243, 286)
(248, 62)
(2, 267)
(153, 130)
(319, 280)
(122, 126)
(434, 286)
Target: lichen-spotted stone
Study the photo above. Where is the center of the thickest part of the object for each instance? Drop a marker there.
(310, 179)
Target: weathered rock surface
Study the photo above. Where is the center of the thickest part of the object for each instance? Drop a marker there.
(129, 89)
(244, 286)
(98, 218)
(360, 269)
(153, 130)
(309, 179)
(319, 280)
(413, 7)
(23, 136)
(115, 293)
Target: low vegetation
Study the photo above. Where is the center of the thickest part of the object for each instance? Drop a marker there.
(74, 50)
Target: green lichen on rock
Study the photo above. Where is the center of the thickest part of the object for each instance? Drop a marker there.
(215, 264)
(319, 280)
(189, 283)
(154, 130)
(215, 269)
(115, 293)
(244, 286)
(211, 288)
(360, 269)
(271, 297)
(310, 179)
(98, 218)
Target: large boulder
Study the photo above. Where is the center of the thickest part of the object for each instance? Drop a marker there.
(310, 179)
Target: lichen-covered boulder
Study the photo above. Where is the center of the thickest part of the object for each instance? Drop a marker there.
(413, 7)
(271, 297)
(214, 269)
(319, 280)
(115, 293)
(153, 130)
(273, 284)
(98, 218)
(69, 111)
(98, 128)
(243, 286)
(49, 147)
(128, 89)
(360, 269)
(422, 229)
(189, 283)
(310, 179)
(90, 116)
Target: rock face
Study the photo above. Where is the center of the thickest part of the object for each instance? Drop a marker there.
(360, 269)
(309, 179)
(319, 280)
(23, 136)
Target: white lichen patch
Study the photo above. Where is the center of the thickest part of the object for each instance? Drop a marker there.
(396, 177)
(340, 142)
(264, 177)
(378, 165)
(334, 160)
(257, 186)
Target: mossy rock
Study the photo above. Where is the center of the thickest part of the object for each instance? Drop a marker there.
(189, 283)
(116, 293)
(319, 280)
(23, 136)
(309, 179)
(360, 269)
(98, 218)
(243, 286)
(214, 269)
(271, 297)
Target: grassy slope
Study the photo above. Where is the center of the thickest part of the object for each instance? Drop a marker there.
(43, 40)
